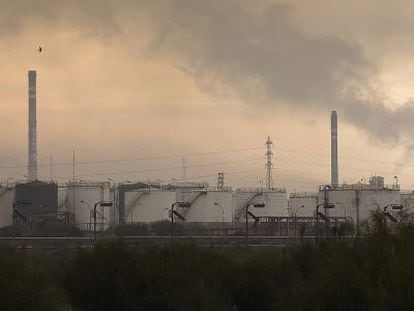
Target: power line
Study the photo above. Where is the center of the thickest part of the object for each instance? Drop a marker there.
(214, 175)
(168, 168)
(139, 159)
(341, 157)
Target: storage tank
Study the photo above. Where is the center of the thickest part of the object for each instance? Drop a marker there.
(81, 197)
(303, 204)
(6, 205)
(62, 198)
(210, 205)
(148, 205)
(64, 214)
(275, 200)
(358, 200)
(120, 200)
(43, 198)
(407, 200)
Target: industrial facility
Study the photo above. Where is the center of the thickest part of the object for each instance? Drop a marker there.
(102, 205)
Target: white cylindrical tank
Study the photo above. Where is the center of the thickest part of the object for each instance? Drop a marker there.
(81, 198)
(148, 205)
(210, 206)
(6, 206)
(407, 201)
(275, 202)
(359, 201)
(303, 204)
(62, 199)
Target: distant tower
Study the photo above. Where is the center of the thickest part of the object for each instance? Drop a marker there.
(334, 149)
(32, 158)
(269, 164)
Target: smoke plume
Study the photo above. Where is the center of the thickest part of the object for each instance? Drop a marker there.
(255, 51)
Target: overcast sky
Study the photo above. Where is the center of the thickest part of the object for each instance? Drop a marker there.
(161, 80)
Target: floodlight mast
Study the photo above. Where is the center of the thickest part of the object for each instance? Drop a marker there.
(246, 236)
(174, 212)
(102, 204)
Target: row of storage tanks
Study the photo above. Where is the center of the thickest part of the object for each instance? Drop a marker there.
(146, 202)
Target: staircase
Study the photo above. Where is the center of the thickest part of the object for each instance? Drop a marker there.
(194, 196)
(323, 217)
(3, 192)
(241, 209)
(133, 202)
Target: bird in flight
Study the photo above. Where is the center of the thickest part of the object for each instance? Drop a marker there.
(39, 49)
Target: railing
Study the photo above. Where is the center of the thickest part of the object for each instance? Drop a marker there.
(260, 190)
(132, 203)
(241, 209)
(359, 187)
(406, 192)
(303, 194)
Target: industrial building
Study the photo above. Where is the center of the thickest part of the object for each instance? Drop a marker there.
(143, 202)
(148, 205)
(357, 201)
(352, 202)
(78, 202)
(81, 199)
(208, 205)
(6, 205)
(275, 202)
(303, 204)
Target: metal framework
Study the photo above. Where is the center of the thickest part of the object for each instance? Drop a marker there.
(269, 164)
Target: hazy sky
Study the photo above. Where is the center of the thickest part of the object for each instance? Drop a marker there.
(153, 81)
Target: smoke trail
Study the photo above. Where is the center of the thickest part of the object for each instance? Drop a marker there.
(253, 50)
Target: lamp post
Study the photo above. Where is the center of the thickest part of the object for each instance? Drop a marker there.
(90, 214)
(90, 220)
(394, 207)
(247, 218)
(102, 204)
(172, 219)
(174, 212)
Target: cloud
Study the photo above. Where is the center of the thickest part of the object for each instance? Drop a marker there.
(256, 52)
(265, 58)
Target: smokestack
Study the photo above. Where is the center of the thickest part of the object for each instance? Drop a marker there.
(334, 149)
(32, 158)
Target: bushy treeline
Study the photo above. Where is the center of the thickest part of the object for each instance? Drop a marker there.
(371, 273)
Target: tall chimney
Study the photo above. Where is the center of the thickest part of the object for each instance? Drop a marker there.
(32, 158)
(334, 149)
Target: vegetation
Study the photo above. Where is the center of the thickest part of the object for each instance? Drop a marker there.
(162, 228)
(372, 273)
(42, 229)
(30, 282)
